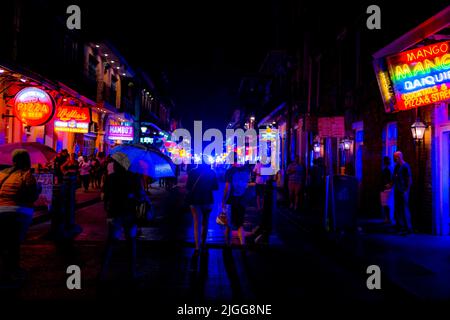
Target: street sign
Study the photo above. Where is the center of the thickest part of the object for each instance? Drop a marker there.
(331, 127)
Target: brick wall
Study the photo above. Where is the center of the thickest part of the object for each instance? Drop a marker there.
(375, 120)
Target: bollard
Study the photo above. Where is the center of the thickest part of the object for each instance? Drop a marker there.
(56, 212)
(63, 226)
(71, 229)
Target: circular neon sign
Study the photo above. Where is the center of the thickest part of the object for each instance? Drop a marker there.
(33, 106)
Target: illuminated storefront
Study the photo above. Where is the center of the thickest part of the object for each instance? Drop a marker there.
(413, 74)
(33, 106)
(72, 119)
(40, 113)
(121, 133)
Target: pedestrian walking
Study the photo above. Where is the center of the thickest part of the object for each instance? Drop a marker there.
(402, 179)
(60, 159)
(85, 173)
(200, 185)
(261, 233)
(94, 171)
(259, 185)
(18, 192)
(296, 176)
(70, 170)
(236, 197)
(122, 192)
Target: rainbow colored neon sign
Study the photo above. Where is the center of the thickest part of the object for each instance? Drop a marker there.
(415, 78)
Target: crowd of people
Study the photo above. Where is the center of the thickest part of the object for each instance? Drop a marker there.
(90, 170)
(124, 191)
(236, 198)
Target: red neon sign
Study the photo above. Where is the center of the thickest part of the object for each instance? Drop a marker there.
(72, 119)
(416, 77)
(33, 106)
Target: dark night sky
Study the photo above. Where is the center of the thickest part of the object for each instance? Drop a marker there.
(206, 47)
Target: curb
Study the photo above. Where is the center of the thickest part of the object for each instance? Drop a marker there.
(46, 216)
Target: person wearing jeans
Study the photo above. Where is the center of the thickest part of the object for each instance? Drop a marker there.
(18, 192)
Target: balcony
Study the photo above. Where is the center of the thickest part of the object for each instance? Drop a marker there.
(109, 95)
(127, 105)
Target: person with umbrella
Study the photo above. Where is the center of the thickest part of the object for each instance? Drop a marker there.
(18, 191)
(122, 190)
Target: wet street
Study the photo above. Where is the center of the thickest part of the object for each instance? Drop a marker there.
(293, 267)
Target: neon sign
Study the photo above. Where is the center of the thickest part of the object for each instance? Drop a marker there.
(33, 106)
(121, 133)
(415, 78)
(72, 119)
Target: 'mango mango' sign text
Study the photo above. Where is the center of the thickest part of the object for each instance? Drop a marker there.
(416, 78)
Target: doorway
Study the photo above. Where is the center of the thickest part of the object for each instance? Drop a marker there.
(441, 188)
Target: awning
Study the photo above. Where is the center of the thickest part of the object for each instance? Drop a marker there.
(430, 27)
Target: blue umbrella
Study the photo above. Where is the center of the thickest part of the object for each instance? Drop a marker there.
(143, 160)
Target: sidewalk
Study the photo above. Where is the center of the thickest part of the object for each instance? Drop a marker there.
(418, 264)
(83, 199)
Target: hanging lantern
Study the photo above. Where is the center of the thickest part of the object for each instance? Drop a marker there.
(418, 130)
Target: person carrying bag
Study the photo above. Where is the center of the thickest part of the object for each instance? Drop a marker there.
(18, 191)
(201, 183)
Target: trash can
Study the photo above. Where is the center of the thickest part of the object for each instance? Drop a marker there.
(341, 205)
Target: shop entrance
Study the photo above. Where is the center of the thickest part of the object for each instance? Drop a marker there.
(446, 178)
(442, 184)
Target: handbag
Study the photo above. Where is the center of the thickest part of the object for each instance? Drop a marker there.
(386, 197)
(145, 211)
(222, 217)
(6, 178)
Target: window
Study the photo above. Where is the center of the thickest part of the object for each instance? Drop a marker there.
(92, 67)
(70, 51)
(358, 127)
(389, 137)
(113, 84)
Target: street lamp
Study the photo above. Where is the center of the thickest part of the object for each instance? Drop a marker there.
(347, 143)
(317, 144)
(317, 147)
(418, 130)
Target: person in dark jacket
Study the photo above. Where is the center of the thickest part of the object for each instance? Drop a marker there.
(201, 183)
(121, 192)
(402, 184)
